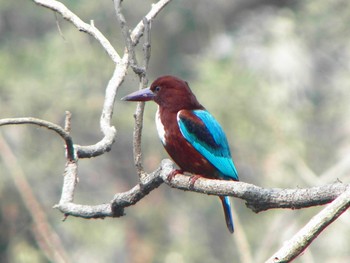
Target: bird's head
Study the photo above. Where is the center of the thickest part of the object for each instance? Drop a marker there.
(168, 92)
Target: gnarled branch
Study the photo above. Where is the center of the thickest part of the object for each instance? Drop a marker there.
(261, 199)
(258, 199)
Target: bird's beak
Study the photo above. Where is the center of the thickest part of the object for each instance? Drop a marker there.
(140, 95)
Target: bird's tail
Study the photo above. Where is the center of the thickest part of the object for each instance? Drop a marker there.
(226, 204)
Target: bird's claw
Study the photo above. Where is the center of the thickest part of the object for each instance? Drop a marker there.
(193, 179)
(173, 174)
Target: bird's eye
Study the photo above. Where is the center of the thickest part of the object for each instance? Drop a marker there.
(156, 89)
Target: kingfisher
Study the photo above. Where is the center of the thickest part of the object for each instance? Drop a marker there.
(190, 134)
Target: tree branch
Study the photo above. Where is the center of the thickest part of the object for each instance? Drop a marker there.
(49, 125)
(261, 199)
(137, 33)
(130, 47)
(122, 64)
(140, 107)
(107, 129)
(115, 208)
(81, 26)
(301, 240)
(258, 199)
(149, 182)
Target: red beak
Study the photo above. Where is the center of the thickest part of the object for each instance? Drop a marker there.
(140, 95)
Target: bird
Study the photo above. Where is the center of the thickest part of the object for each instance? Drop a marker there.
(192, 137)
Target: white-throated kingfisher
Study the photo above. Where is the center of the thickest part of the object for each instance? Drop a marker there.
(190, 134)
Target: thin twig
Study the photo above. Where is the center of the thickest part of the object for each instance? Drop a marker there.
(137, 137)
(147, 43)
(130, 47)
(59, 27)
(82, 26)
(67, 122)
(137, 146)
(137, 33)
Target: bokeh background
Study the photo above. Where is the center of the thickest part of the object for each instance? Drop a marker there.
(274, 73)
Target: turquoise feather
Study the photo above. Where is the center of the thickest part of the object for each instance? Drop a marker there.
(205, 134)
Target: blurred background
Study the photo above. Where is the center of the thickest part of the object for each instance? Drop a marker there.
(274, 73)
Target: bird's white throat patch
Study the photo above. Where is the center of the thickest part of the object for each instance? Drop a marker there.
(160, 128)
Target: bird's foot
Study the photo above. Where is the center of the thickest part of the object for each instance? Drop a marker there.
(193, 179)
(173, 174)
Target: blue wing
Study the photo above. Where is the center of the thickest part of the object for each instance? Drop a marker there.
(206, 135)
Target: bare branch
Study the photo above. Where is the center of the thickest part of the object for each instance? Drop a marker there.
(260, 199)
(117, 79)
(86, 211)
(66, 204)
(120, 201)
(67, 123)
(141, 105)
(49, 125)
(119, 74)
(109, 131)
(82, 26)
(149, 183)
(137, 33)
(70, 179)
(137, 135)
(300, 241)
(147, 43)
(130, 47)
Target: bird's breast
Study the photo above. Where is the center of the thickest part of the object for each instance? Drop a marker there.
(160, 128)
(179, 149)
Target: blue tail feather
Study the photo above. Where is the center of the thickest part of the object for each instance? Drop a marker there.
(226, 204)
